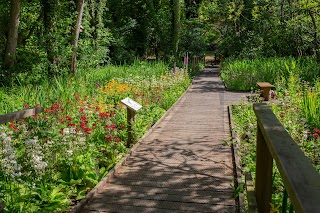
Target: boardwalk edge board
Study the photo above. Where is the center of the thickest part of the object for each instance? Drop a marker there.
(236, 161)
(80, 206)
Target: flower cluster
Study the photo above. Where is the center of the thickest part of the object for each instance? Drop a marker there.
(9, 164)
(36, 156)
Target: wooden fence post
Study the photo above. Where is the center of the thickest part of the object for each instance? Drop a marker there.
(263, 183)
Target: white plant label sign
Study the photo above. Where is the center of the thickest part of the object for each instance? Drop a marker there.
(131, 104)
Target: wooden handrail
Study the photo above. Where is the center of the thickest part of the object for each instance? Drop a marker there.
(300, 178)
(20, 114)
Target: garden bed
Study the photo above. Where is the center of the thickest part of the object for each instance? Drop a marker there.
(54, 159)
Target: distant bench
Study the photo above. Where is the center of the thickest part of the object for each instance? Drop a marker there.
(265, 88)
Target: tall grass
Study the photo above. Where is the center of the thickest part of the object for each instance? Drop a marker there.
(311, 105)
(242, 74)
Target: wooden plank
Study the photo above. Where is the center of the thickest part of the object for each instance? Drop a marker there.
(300, 178)
(263, 174)
(251, 197)
(20, 114)
(264, 84)
(1, 205)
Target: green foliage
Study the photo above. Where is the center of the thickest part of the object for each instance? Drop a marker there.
(264, 28)
(193, 37)
(243, 74)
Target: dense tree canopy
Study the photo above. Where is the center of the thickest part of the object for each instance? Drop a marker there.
(46, 37)
(252, 28)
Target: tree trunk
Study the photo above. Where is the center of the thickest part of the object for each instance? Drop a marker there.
(11, 45)
(80, 5)
(315, 36)
(176, 29)
(49, 7)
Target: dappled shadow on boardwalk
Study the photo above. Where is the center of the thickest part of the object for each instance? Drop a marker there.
(204, 83)
(182, 166)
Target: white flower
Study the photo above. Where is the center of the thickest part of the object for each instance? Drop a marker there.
(70, 152)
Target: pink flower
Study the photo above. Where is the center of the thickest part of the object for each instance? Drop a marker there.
(315, 135)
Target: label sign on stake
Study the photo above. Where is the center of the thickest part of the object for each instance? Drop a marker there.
(132, 107)
(131, 104)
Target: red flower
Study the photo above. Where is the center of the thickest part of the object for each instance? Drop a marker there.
(84, 119)
(117, 139)
(108, 138)
(113, 126)
(47, 110)
(26, 105)
(282, 114)
(108, 126)
(72, 125)
(81, 110)
(98, 109)
(37, 105)
(122, 127)
(315, 135)
(82, 125)
(69, 118)
(87, 130)
(13, 127)
(61, 120)
(104, 115)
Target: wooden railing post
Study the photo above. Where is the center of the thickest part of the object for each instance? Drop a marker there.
(263, 182)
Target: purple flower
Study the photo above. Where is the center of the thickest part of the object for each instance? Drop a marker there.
(186, 60)
(97, 84)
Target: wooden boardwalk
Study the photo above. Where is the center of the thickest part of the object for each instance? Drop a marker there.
(182, 166)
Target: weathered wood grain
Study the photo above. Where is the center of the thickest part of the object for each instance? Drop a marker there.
(299, 176)
(20, 114)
